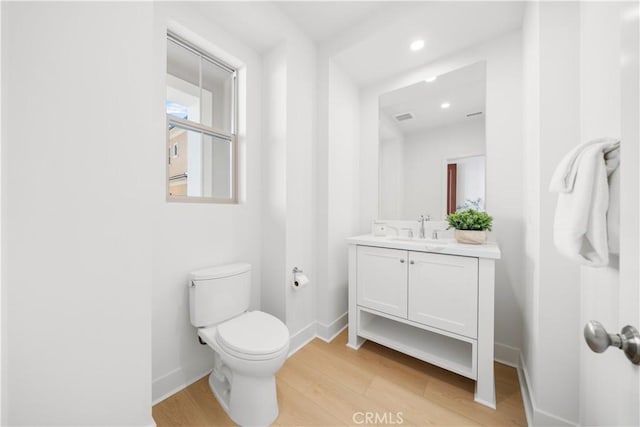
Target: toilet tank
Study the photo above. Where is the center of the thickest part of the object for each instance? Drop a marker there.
(219, 293)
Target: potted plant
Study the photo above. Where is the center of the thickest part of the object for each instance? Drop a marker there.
(471, 225)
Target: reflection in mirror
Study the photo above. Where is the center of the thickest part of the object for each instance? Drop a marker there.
(465, 183)
(432, 146)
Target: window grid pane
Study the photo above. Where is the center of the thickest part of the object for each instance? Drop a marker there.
(201, 164)
(201, 125)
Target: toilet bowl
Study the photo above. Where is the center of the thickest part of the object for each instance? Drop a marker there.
(249, 346)
(253, 346)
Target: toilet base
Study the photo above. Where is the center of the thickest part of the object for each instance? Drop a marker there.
(221, 391)
(249, 401)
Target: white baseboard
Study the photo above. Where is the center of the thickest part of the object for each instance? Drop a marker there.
(328, 332)
(536, 416)
(506, 355)
(523, 379)
(176, 380)
(302, 338)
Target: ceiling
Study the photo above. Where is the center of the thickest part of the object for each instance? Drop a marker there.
(463, 88)
(369, 39)
(321, 20)
(446, 27)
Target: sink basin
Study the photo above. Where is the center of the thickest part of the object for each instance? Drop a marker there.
(436, 242)
(402, 239)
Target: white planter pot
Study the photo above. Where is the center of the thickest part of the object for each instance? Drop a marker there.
(473, 237)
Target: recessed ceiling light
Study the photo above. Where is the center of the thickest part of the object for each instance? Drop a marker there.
(416, 45)
(431, 79)
(445, 105)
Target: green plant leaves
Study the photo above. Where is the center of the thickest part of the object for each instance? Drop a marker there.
(470, 219)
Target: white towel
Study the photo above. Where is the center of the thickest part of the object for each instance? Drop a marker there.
(612, 159)
(582, 181)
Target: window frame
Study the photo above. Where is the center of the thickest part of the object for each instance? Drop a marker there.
(188, 125)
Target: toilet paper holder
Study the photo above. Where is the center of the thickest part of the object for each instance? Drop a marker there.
(299, 280)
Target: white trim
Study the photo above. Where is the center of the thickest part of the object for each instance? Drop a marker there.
(3, 357)
(536, 416)
(165, 387)
(506, 355)
(327, 333)
(523, 379)
(302, 338)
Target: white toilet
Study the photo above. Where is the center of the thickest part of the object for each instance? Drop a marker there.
(250, 346)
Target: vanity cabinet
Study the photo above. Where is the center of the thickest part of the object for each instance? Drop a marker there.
(432, 289)
(382, 280)
(432, 302)
(443, 292)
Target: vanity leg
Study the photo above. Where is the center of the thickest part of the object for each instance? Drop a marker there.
(354, 340)
(485, 384)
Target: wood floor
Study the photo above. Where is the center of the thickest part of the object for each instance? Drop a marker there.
(329, 384)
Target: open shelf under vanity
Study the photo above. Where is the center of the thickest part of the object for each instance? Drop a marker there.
(451, 352)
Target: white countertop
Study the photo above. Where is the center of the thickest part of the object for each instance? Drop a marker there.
(441, 246)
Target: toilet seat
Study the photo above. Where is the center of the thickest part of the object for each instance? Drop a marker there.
(254, 335)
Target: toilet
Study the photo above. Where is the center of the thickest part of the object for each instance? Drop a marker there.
(249, 346)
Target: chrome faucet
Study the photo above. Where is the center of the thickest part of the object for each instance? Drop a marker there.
(421, 220)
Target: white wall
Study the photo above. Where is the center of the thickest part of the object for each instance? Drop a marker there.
(504, 167)
(558, 294)
(274, 197)
(340, 175)
(189, 236)
(425, 158)
(531, 169)
(76, 213)
(289, 198)
(552, 117)
(300, 183)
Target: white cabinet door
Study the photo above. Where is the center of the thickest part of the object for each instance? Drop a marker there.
(382, 280)
(443, 292)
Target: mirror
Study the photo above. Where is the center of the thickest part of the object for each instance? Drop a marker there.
(432, 146)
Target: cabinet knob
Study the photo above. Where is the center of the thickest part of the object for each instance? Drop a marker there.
(401, 261)
(412, 262)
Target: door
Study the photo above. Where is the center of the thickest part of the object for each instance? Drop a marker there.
(452, 177)
(443, 292)
(382, 280)
(609, 383)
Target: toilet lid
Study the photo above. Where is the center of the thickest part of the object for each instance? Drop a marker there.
(253, 333)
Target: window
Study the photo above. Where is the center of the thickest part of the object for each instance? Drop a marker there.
(201, 125)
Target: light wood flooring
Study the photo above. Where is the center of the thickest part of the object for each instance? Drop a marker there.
(324, 384)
